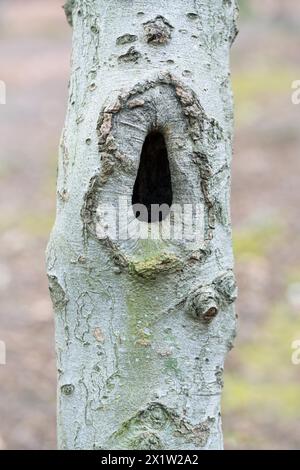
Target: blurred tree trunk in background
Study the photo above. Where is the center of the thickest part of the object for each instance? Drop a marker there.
(143, 326)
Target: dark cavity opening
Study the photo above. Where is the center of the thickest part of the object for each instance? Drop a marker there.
(152, 193)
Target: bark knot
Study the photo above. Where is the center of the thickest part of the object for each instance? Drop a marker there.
(205, 302)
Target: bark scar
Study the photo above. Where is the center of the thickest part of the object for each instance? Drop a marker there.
(157, 31)
(149, 429)
(199, 126)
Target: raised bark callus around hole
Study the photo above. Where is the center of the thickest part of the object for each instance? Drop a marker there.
(153, 186)
(140, 354)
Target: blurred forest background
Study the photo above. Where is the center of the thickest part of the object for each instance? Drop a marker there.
(261, 404)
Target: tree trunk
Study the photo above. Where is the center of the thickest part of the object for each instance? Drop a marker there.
(143, 325)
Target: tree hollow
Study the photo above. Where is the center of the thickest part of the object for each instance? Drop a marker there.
(152, 193)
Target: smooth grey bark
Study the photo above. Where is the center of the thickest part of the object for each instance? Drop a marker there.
(143, 327)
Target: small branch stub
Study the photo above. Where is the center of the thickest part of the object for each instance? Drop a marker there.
(203, 304)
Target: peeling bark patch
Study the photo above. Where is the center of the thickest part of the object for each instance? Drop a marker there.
(105, 126)
(204, 302)
(113, 108)
(126, 39)
(157, 31)
(185, 96)
(135, 103)
(132, 55)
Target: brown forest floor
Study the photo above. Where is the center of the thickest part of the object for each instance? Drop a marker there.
(262, 388)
